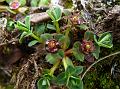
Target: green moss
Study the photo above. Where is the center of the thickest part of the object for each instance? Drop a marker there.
(100, 79)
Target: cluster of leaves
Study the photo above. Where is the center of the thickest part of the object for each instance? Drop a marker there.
(26, 31)
(52, 35)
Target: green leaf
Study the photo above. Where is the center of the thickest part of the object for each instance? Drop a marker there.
(22, 2)
(76, 45)
(95, 39)
(54, 13)
(50, 13)
(58, 36)
(34, 3)
(47, 76)
(75, 83)
(96, 51)
(21, 28)
(77, 54)
(67, 62)
(83, 27)
(89, 35)
(70, 70)
(39, 29)
(10, 25)
(105, 40)
(61, 53)
(27, 22)
(51, 27)
(29, 33)
(43, 2)
(22, 36)
(61, 78)
(52, 58)
(46, 36)
(43, 83)
(21, 24)
(70, 78)
(32, 43)
(65, 41)
(57, 13)
(79, 70)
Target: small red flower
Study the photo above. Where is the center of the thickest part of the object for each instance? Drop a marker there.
(52, 46)
(87, 46)
(14, 4)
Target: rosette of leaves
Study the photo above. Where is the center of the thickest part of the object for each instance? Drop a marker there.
(25, 28)
(70, 78)
(55, 14)
(103, 40)
(45, 80)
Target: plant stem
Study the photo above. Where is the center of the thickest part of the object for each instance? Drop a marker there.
(57, 26)
(37, 38)
(116, 53)
(68, 52)
(54, 67)
(64, 63)
(68, 80)
(66, 38)
(11, 11)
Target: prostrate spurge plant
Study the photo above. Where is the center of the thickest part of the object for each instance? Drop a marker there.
(63, 49)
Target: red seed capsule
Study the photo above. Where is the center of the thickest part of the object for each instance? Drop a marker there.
(87, 46)
(52, 46)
